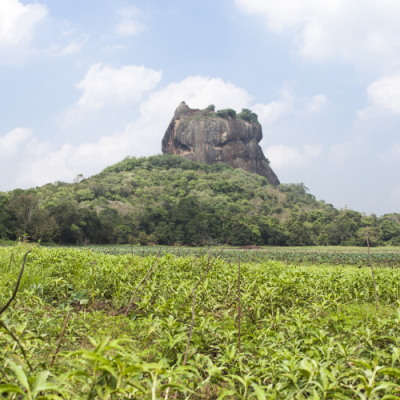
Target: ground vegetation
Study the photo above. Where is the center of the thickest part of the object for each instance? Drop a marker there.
(86, 325)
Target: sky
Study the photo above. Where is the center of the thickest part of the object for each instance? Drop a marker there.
(84, 84)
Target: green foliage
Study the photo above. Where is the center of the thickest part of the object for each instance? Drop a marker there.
(143, 238)
(180, 201)
(306, 332)
(383, 257)
(227, 113)
(248, 115)
(85, 195)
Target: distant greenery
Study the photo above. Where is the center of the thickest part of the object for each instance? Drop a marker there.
(209, 112)
(167, 199)
(227, 113)
(248, 115)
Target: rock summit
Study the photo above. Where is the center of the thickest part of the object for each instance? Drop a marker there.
(213, 137)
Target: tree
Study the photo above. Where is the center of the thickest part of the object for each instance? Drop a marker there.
(5, 220)
(143, 238)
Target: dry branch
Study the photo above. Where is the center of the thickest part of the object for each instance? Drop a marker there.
(373, 276)
(11, 258)
(17, 286)
(144, 280)
(18, 342)
(61, 338)
(239, 309)
(6, 306)
(191, 327)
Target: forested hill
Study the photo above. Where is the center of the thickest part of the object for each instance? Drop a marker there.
(167, 199)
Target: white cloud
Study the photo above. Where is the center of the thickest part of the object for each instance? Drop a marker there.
(104, 85)
(10, 142)
(316, 104)
(383, 96)
(17, 24)
(268, 113)
(197, 92)
(142, 137)
(287, 157)
(63, 164)
(289, 103)
(363, 32)
(73, 47)
(130, 24)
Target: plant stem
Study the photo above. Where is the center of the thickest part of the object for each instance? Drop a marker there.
(61, 337)
(239, 309)
(154, 388)
(191, 327)
(17, 286)
(209, 266)
(373, 276)
(142, 281)
(11, 258)
(19, 344)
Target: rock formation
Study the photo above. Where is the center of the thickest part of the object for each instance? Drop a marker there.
(213, 137)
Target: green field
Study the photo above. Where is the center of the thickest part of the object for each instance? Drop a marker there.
(330, 255)
(308, 329)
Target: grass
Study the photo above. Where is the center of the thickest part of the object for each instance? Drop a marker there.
(338, 248)
(4, 242)
(282, 248)
(306, 331)
(364, 312)
(290, 255)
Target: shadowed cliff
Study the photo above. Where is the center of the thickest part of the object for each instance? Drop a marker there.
(213, 137)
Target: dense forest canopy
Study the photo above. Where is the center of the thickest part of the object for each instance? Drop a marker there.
(167, 199)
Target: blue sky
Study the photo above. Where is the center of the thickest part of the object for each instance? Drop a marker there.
(85, 83)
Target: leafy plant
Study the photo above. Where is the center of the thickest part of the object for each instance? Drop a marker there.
(307, 330)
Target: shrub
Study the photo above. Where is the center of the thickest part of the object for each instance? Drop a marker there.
(248, 115)
(228, 112)
(152, 238)
(85, 194)
(143, 238)
(222, 114)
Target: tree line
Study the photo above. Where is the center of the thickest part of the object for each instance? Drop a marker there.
(167, 199)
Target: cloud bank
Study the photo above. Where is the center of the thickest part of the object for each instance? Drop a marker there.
(104, 85)
(130, 23)
(362, 32)
(10, 142)
(17, 26)
(288, 157)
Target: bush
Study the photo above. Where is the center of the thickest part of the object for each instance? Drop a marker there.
(143, 238)
(222, 114)
(395, 241)
(85, 194)
(152, 238)
(248, 115)
(226, 113)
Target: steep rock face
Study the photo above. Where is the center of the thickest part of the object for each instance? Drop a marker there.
(204, 136)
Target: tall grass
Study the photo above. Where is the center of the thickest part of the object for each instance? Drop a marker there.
(306, 331)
